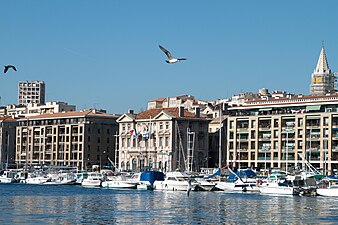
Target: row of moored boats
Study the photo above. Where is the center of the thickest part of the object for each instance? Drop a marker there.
(277, 182)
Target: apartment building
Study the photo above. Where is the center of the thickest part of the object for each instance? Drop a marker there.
(31, 92)
(165, 138)
(80, 138)
(33, 109)
(284, 133)
(7, 141)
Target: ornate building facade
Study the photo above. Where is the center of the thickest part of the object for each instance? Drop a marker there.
(165, 138)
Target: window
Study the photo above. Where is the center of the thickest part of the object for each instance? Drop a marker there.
(161, 142)
(253, 124)
(166, 141)
(300, 122)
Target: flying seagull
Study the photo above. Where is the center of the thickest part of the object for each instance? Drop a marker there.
(6, 68)
(170, 57)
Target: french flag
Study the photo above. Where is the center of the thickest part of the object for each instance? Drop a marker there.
(133, 133)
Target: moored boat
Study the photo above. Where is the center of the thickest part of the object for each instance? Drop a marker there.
(175, 181)
(94, 179)
(277, 183)
(244, 180)
(329, 187)
(8, 176)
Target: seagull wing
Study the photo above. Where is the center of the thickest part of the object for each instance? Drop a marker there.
(13, 67)
(166, 52)
(5, 69)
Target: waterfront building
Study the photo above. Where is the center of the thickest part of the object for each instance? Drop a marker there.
(31, 92)
(323, 79)
(33, 109)
(284, 132)
(81, 138)
(176, 101)
(217, 144)
(50, 107)
(7, 141)
(163, 138)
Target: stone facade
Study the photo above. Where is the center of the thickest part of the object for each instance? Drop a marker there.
(159, 138)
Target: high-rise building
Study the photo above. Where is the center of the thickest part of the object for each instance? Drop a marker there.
(322, 81)
(31, 92)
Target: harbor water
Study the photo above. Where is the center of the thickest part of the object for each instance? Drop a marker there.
(34, 204)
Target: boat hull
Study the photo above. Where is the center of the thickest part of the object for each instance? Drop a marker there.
(329, 192)
(118, 184)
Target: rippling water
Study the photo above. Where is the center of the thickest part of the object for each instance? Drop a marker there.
(33, 204)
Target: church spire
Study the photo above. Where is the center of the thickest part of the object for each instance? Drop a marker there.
(322, 65)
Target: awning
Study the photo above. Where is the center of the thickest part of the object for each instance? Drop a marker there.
(265, 109)
(313, 107)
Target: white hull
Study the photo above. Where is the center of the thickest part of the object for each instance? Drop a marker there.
(6, 180)
(329, 192)
(175, 181)
(118, 184)
(36, 180)
(91, 183)
(275, 189)
(234, 186)
(172, 186)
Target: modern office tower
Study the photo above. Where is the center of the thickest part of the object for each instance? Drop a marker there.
(323, 79)
(31, 92)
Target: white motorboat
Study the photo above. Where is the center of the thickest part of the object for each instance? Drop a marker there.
(8, 177)
(119, 181)
(94, 179)
(175, 181)
(280, 185)
(62, 179)
(244, 180)
(36, 179)
(329, 187)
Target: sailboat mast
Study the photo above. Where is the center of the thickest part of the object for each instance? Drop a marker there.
(220, 140)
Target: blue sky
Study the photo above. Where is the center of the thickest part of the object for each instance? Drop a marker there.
(104, 54)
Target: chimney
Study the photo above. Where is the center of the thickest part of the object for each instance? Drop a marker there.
(197, 112)
(130, 111)
(181, 111)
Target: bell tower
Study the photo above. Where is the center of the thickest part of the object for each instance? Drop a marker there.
(322, 81)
